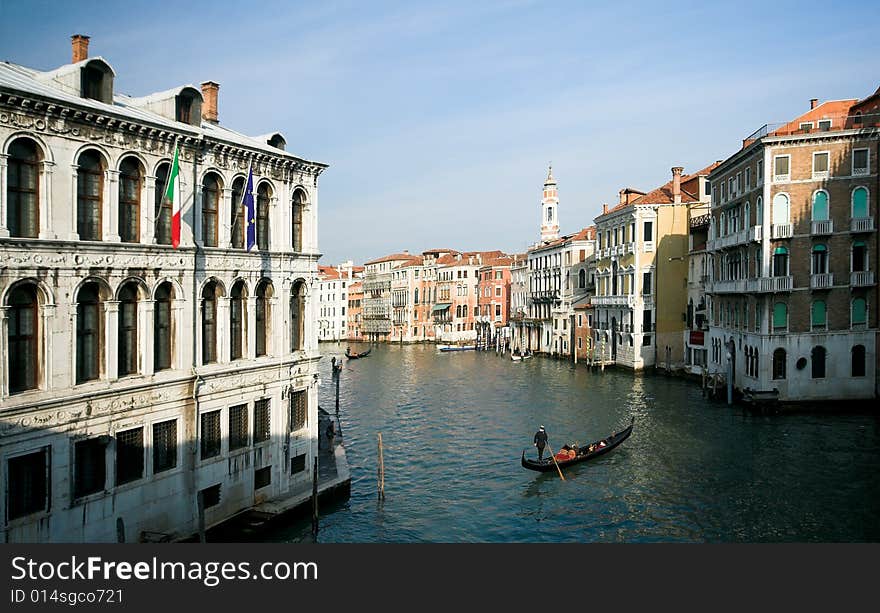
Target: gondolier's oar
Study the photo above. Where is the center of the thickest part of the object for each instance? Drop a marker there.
(555, 462)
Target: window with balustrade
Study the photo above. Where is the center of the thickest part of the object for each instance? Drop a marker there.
(819, 260)
(818, 315)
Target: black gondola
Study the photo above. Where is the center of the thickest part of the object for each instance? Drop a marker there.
(582, 454)
(355, 356)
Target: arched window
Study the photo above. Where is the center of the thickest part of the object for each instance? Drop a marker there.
(128, 330)
(238, 222)
(780, 316)
(163, 206)
(818, 316)
(859, 312)
(264, 197)
(780, 262)
(209, 323)
(416, 296)
(23, 328)
(755, 361)
(89, 196)
(780, 209)
(859, 256)
(582, 278)
(297, 316)
(550, 218)
(263, 317)
(820, 260)
(747, 215)
(237, 315)
(23, 189)
(759, 211)
(818, 362)
(859, 203)
(89, 337)
(820, 206)
(858, 361)
(210, 209)
(779, 364)
(297, 229)
(162, 327)
(129, 200)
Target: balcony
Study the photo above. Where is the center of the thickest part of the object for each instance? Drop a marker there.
(766, 285)
(545, 296)
(736, 286)
(820, 228)
(821, 280)
(781, 230)
(756, 233)
(618, 300)
(862, 224)
(861, 278)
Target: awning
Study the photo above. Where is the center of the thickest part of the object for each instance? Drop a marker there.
(440, 307)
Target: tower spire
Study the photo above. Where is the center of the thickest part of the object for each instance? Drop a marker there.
(550, 208)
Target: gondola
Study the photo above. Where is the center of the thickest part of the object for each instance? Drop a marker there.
(582, 454)
(456, 347)
(355, 356)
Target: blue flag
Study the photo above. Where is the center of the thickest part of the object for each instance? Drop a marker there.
(250, 211)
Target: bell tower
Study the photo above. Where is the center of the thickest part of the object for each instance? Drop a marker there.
(550, 209)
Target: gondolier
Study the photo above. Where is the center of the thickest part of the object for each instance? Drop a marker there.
(541, 442)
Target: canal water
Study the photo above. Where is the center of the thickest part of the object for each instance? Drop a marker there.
(454, 426)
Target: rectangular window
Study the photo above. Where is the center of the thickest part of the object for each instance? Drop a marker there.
(646, 283)
(238, 427)
(781, 167)
(860, 162)
(262, 477)
(210, 496)
(760, 170)
(806, 126)
(210, 439)
(164, 445)
(824, 125)
(748, 178)
(261, 420)
(498, 291)
(129, 455)
(820, 164)
(648, 231)
(298, 464)
(27, 485)
(299, 404)
(90, 467)
(646, 320)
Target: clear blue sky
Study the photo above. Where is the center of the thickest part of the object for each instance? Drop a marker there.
(438, 120)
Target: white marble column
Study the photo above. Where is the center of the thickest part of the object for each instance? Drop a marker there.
(146, 313)
(148, 210)
(224, 238)
(196, 212)
(223, 337)
(275, 334)
(111, 339)
(4, 229)
(250, 304)
(47, 314)
(46, 230)
(4, 352)
(110, 207)
(73, 232)
(179, 352)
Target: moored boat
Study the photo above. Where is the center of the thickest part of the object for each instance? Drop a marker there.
(573, 454)
(456, 347)
(355, 356)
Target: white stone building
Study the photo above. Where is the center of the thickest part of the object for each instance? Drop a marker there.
(138, 380)
(333, 284)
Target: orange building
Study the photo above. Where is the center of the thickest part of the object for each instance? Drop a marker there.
(355, 311)
(493, 300)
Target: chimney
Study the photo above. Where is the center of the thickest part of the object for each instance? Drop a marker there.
(80, 47)
(209, 108)
(604, 208)
(622, 195)
(676, 184)
(814, 102)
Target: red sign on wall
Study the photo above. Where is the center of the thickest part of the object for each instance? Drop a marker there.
(696, 337)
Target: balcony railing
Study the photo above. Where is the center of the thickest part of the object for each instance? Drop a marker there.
(862, 224)
(736, 286)
(618, 300)
(756, 233)
(769, 284)
(821, 280)
(782, 230)
(819, 228)
(861, 278)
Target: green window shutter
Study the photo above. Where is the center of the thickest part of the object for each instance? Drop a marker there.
(860, 203)
(859, 311)
(820, 206)
(780, 315)
(818, 313)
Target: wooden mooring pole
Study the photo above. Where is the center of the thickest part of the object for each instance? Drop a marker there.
(380, 481)
(315, 498)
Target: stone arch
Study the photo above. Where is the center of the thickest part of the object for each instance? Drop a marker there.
(143, 288)
(38, 140)
(175, 284)
(106, 292)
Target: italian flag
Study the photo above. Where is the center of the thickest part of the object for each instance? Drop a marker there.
(172, 193)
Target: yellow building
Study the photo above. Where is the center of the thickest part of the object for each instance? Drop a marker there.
(641, 273)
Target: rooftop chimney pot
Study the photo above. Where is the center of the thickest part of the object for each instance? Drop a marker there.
(209, 108)
(604, 208)
(813, 103)
(676, 184)
(79, 44)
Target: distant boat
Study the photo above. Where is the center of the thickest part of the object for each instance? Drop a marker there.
(571, 454)
(355, 356)
(516, 358)
(456, 347)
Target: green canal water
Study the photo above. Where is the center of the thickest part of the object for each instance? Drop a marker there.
(454, 426)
